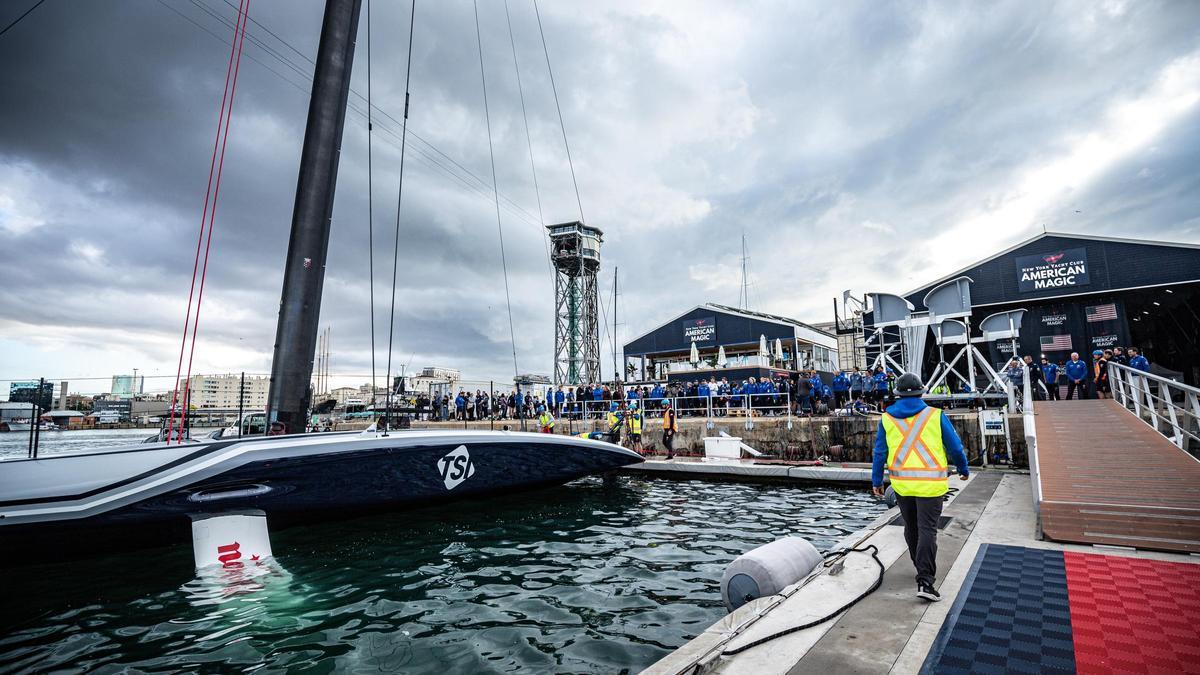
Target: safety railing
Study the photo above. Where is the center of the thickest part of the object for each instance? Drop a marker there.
(746, 407)
(1031, 450)
(1169, 407)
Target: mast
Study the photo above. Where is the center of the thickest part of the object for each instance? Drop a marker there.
(304, 273)
(616, 372)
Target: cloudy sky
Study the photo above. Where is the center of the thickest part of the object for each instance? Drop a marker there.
(862, 145)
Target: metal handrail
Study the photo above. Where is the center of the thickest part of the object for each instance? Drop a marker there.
(1031, 450)
(1131, 388)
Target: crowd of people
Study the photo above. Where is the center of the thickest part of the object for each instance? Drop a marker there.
(803, 394)
(1073, 378)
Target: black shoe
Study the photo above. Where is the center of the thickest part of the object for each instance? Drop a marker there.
(926, 592)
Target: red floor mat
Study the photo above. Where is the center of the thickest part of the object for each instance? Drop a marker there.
(1131, 615)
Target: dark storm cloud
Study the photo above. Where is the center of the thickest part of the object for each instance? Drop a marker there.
(853, 144)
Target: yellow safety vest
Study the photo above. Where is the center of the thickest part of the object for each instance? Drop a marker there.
(669, 422)
(916, 455)
(614, 420)
(546, 420)
(636, 423)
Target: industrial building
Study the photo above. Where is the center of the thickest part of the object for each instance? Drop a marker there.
(1085, 292)
(729, 342)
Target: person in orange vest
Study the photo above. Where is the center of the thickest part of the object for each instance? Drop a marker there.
(914, 441)
(670, 427)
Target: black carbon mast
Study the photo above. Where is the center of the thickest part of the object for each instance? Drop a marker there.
(304, 273)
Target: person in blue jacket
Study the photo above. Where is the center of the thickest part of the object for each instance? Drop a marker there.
(841, 387)
(868, 386)
(921, 513)
(881, 385)
(1137, 361)
(856, 384)
(1076, 371)
(1050, 372)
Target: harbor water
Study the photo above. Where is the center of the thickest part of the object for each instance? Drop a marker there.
(593, 576)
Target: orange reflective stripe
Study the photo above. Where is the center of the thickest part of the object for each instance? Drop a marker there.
(912, 441)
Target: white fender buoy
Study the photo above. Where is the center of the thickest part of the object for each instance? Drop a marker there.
(767, 570)
(230, 540)
(889, 497)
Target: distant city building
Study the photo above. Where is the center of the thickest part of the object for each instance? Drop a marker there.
(223, 391)
(434, 380)
(349, 396)
(26, 391)
(127, 386)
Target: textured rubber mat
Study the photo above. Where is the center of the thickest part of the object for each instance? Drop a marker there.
(1011, 617)
(1134, 616)
(1025, 610)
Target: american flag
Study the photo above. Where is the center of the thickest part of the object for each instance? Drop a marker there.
(1056, 343)
(1102, 313)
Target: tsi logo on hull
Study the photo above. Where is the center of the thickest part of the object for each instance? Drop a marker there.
(456, 467)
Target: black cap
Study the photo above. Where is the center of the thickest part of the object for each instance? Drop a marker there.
(909, 384)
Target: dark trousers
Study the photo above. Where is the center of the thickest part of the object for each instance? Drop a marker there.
(1054, 395)
(1073, 386)
(669, 442)
(921, 515)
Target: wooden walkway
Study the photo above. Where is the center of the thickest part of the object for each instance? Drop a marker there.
(1108, 478)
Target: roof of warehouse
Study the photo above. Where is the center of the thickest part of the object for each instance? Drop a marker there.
(1043, 235)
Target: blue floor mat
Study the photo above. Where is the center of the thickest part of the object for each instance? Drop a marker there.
(1011, 616)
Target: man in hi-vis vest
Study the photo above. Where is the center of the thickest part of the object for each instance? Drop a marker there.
(914, 440)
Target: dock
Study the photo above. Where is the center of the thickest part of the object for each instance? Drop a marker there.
(1073, 600)
(1107, 477)
(758, 470)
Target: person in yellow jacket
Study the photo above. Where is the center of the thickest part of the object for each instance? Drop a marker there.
(635, 426)
(914, 441)
(670, 427)
(545, 421)
(616, 420)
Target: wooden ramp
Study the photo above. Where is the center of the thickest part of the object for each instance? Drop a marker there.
(1108, 478)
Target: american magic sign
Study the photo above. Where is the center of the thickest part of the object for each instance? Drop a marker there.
(702, 330)
(1056, 269)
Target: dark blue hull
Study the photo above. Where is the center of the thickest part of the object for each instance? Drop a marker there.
(405, 470)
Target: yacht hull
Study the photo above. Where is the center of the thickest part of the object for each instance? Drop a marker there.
(149, 494)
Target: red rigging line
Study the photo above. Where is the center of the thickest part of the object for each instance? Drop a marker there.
(207, 216)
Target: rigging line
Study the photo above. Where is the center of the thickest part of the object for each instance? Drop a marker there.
(200, 236)
(370, 203)
(18, 19)
(212, 215)
(604, 321)
(528, 137)
(307, 75)
(223, 41)
(557, 107)
(412, 18)
(496, 186)
(509, 203)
